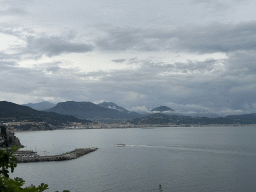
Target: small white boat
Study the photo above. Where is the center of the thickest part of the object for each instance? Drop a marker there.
(119, 145)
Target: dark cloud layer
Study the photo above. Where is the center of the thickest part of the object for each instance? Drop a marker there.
(190, 86)
(213, 38)
(119, 60)
(54, 45)
(213, 85)
(13, 11)
(225, 90)
(218, 5)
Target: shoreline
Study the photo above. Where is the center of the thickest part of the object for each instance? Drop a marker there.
(147, 126)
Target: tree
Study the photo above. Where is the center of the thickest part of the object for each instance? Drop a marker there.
(9, 161)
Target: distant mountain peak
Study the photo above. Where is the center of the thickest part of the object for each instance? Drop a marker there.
(10, 112)
(40, 106)
(111, 105)
(162, 109)
(105, 111)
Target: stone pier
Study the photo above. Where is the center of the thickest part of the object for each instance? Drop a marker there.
(30, 156)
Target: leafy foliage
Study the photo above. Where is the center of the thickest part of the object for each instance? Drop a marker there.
(9, 161)
(160, 188)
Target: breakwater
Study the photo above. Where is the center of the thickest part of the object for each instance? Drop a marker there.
(30, 156)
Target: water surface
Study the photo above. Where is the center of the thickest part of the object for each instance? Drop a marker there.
(180, 159)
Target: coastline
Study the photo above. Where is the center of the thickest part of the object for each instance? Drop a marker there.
(144, 126)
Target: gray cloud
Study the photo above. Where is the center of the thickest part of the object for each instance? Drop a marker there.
(54, 45)
(242, 63)
(7, 64)
(13, 8)
(228, 88)
(38, 84)
(198, 83)
(219, 38)
(119, 60)
(8, 60)
(191, 86)
(218, 5)
(37, 45)
(53, 67)
(213, 38)
(118, 38)
(13, 11)
(214, 85)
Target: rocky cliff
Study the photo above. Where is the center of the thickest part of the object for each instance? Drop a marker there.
(8, 139)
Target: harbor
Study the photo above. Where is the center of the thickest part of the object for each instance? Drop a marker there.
(31, 156)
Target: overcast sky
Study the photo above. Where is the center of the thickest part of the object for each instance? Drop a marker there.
(195, 56)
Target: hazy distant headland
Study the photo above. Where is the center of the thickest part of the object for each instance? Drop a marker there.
(88, 115)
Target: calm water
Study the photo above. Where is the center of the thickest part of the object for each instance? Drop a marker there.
(180, 159)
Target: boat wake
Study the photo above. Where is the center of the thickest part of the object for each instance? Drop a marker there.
(195, 149)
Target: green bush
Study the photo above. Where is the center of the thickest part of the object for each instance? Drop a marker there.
(9, 161)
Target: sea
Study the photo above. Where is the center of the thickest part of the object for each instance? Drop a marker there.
(153, 159)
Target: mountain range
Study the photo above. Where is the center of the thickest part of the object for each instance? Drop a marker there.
(40, 106)
(104, 112)
(109, 112)
(111, 105)
(164, 119)
(11, 112)
(244, 118)
(162, 109)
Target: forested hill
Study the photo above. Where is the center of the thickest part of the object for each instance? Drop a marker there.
(111, 105)
(244, 118)
(162, 109)
(14, 112)
(89, 110)
(160, 118)
(40, 106)
(63, 114)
